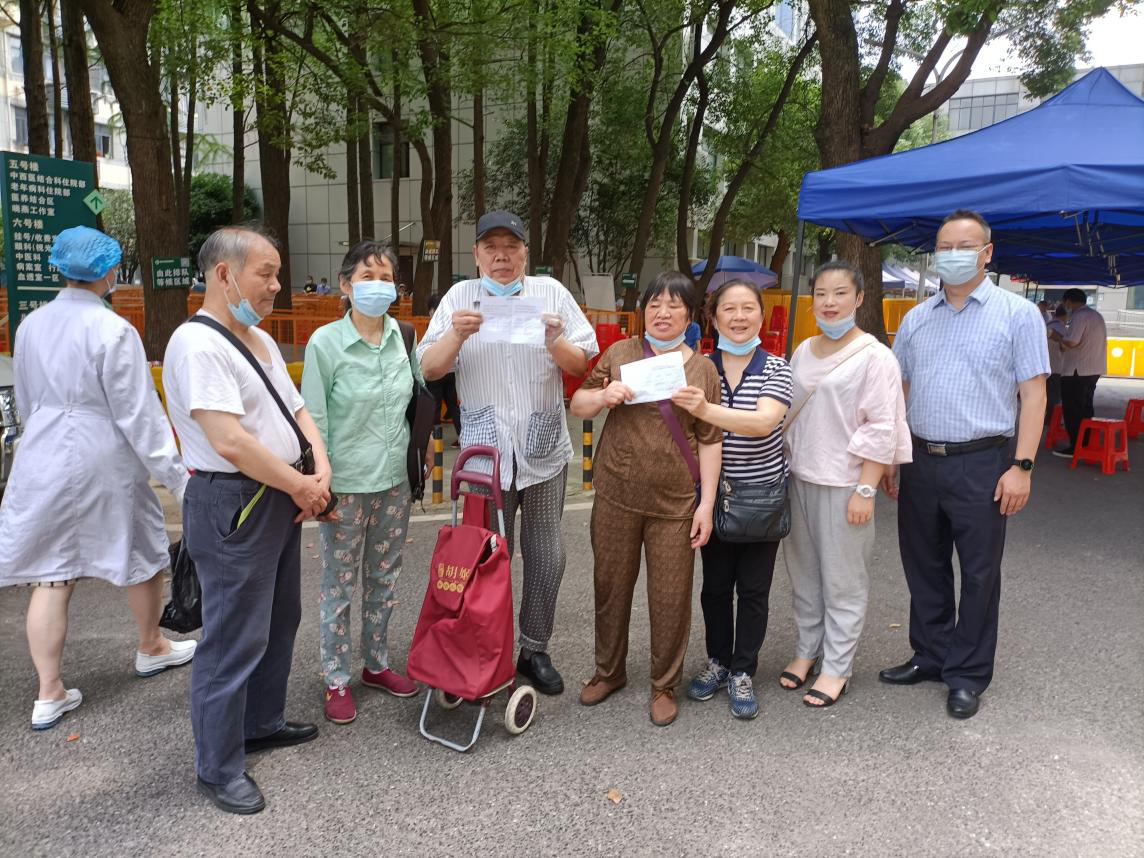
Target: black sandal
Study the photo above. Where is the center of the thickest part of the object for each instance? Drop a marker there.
(826, 699)
(799, 681)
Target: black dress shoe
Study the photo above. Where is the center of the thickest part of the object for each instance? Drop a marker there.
(906, 674)
(962, 703)
(241, 795)
(537, 667)
(291, 734)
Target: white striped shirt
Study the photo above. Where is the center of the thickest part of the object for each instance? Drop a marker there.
(747, 457)
(512, 396)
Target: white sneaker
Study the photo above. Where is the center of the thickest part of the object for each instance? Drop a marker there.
(181, 652)
(47, 713)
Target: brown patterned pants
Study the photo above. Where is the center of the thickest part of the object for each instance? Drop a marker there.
(617, 537)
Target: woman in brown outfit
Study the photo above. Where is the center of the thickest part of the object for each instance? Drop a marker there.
(646, 498)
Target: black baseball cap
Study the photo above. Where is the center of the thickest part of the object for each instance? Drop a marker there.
(500, 220)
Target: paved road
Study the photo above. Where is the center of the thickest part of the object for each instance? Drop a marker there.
(1051, 766)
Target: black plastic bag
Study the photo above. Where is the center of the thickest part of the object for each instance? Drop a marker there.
(184, 613)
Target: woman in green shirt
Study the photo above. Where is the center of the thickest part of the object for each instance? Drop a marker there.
(357, 382)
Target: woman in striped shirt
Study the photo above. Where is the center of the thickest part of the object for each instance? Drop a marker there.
(756, 390)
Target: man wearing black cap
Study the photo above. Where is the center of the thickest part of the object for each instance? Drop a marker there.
(512, 398)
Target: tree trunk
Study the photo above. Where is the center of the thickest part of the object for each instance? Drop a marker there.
(782, 250)
(81, 120)
(365, 171)
(687, 181)
(273, 149)
(478, 152)
(423, 273)
(398, 167)
(534, 153)
(182, 204)
(35, 86)
(353, 211)
(57, 83)
(121, 32)
(238, 115)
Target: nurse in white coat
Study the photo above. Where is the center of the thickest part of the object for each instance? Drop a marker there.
(78, 503)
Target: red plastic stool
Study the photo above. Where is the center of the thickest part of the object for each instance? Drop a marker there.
(1057, 430)
(1099, 444)
(1134, 417)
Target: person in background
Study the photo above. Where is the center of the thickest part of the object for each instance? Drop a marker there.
(692, 336)
(847, 423)
(647, 475)
(444, 390)
(755, 391)
(323, 286)
(974, 359)
(78, 503)
(1043, 306)
(1084, 361)
(357, 383)
(1057, 330)
(512, 398)
(308, 287)
(243, 512)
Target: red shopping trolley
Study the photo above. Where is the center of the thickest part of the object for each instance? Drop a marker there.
(463, 645)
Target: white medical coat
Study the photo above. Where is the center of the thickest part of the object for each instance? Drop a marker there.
(78, 501)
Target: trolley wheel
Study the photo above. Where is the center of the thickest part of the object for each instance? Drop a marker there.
(446, 700)
(521, 710)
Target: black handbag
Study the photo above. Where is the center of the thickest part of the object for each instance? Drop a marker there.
(420, 414)
(751, 512)
(184, 613)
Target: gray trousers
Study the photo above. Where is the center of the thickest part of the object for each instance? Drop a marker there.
(542, 549)
(251, 581)
(826, 558)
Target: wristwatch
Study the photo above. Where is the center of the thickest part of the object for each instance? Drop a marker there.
(1024, 464)
(866, 491)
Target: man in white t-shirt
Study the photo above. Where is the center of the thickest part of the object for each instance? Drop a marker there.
(242, 513)
(1085, 361)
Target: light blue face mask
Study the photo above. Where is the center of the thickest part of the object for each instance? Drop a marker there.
(956, 266)
(501, 289)
(243, 311)
(838, 329)
(734, 348)
(373, 297)
(664, 345)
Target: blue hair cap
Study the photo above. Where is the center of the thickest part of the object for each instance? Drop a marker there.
(83, 253)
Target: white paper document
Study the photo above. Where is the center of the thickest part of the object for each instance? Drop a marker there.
(654, 378)
(512, 320)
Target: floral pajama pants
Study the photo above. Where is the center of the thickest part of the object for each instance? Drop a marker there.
(369, 538)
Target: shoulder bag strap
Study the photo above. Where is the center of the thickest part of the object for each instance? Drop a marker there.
(245, 352)
(865, 344)
(673, 426)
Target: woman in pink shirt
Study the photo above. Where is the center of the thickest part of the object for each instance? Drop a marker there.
(847, 422)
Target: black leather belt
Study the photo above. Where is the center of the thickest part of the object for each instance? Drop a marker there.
(956, 448)
(221, 475)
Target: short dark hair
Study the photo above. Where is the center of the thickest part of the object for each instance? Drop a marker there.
(968, 214)
(716, 295)
(363, 251)
(1060, 311)
(849, 268)
(677, 285)
(434, 302)
(1076, 296)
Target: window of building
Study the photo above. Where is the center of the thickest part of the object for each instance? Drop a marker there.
(103, 143)
(383, 152)
(15, 54)
(20, 126)
(784, 17)
(979, 111)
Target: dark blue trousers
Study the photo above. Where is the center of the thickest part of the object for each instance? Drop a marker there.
(250, 576)
(947, 502)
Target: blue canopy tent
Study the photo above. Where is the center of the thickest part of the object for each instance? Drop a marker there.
(737, 268)
(1062, 187)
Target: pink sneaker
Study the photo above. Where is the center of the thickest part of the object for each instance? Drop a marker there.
(387, 680)
(340, 707)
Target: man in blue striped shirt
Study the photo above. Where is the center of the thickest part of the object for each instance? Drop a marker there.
(966, 355)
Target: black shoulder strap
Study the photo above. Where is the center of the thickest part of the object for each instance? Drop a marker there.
(253, 361)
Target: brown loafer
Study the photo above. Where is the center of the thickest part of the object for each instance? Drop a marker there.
(598, 689)
(664, 709)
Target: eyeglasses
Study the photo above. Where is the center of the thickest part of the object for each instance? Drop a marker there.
(943, 248)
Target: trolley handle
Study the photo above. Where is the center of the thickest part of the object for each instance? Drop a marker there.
(476, 478)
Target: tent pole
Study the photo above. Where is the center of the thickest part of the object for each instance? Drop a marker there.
(796, 276)
(923, 270)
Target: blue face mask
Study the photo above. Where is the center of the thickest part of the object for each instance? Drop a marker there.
(243, 311)
(373, 297)
(838, 329)
(956, 266)
(501, 289)
(664, 345)
(733, 348)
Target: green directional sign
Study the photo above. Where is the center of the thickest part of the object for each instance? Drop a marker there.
(171, 272)
(41, 197)
(543, 270)
(95, 202)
